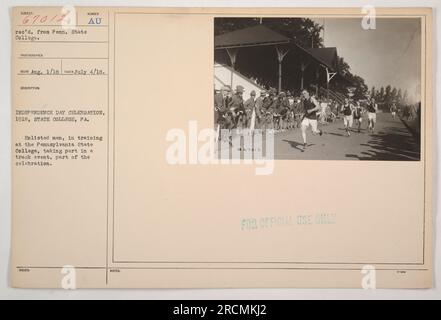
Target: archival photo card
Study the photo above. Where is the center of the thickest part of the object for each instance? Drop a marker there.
(203, 147)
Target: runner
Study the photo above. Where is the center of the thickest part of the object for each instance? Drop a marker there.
(310, 106)
(358, 110)
(372, 114)
(347, 109)
(393, 110)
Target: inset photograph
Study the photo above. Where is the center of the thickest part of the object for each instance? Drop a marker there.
(325, 88)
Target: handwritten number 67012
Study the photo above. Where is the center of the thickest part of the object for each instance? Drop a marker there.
(41, 19)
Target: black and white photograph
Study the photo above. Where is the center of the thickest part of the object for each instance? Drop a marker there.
(325, 88)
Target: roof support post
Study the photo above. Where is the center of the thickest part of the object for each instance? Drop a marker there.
(317, 77)
(232, 53)
(303, 67)
(281, 53)
(329, 76)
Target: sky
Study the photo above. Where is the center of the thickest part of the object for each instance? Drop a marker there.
(389, 54)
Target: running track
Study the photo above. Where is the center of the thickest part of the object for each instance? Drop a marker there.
(390, 141)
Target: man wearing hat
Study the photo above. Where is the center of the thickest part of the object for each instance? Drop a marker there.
(220, 107)
(249, 106)
(290, 113)
(281, 111)
(259, 109)
(268, 107)
(236, 105)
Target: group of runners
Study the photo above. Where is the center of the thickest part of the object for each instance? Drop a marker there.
(352, 112)
(282, 111)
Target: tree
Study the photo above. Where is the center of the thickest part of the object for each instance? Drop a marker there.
(405, 99)
(224, 25)
(360, 87)
(387, 94)
(305, 32)
(393, 95)
(356, 81)
(380, 95)
(399, 97)
(342, 66)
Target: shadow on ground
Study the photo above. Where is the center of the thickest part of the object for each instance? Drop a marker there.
(397, 144)
(298, 145)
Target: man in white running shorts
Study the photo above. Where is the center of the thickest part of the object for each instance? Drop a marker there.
(310, 106)
(372, 114)
(347, 109)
